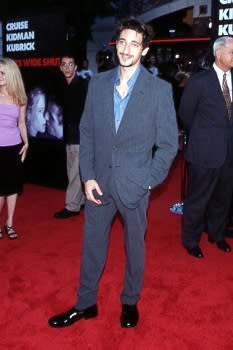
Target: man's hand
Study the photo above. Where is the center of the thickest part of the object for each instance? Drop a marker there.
(90, 186)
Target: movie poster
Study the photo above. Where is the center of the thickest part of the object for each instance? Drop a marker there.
(36, 42)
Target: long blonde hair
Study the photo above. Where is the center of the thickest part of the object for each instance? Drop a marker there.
(14, 81)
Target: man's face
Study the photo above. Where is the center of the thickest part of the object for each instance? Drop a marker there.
(85, 64)
(152, 60)
(38, 116)
(55, 127)
(68, 67)
(224, 56)
(129, 48)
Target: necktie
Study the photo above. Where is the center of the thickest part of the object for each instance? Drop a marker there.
(226, 94)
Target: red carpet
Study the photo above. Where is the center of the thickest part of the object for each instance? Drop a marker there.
(186, 303)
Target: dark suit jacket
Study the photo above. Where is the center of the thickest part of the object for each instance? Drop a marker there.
(204, 116)
(149, 120)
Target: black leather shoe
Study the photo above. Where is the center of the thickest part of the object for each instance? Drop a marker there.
(196, 252)
(129, 316)
(222, 245)
(68, 318)
(65, 213)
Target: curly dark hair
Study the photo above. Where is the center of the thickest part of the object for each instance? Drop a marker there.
(137, 25)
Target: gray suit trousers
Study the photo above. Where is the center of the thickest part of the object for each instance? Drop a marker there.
(97, 227)
(74, 193)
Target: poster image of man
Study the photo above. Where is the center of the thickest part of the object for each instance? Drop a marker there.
(55, 120)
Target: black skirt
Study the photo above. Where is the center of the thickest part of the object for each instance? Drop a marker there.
(11, 170)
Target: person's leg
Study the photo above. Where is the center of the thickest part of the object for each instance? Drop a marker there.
(74, 193)
(97, 226)
(135, 221)
(201, 184)
(11, 204)
(218, 208)
(95, 244)
(2, 202)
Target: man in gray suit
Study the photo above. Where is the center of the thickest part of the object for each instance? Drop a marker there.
(128, 114)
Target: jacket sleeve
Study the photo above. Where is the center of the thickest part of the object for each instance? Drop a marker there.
(167, 137)
(86, 154)
(189, 103)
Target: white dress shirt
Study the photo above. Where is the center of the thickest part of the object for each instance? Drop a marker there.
(220, 73)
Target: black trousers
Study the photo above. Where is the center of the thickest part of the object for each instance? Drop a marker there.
(207, 203)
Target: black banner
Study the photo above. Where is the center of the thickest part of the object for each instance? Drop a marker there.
(222, 17)
(38, 35)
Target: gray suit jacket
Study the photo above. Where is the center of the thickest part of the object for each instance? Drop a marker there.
(149, 121)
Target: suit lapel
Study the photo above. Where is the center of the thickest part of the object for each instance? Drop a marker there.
(109, 99)
(214, 83)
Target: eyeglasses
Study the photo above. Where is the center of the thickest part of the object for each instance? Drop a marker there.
(70, 64)
(132, 44)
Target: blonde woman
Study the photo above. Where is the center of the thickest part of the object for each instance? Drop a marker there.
(13, 139)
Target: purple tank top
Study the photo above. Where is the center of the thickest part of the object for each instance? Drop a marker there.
(9, 130)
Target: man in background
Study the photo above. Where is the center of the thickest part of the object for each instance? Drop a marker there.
(206, 114)
(75, 90)
(85, 72)
(151, 65)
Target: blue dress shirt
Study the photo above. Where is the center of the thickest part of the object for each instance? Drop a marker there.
(119, 102)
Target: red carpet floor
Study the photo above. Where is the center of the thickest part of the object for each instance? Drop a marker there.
(186, 303)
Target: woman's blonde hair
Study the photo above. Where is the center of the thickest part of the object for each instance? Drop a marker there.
(14, 81)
